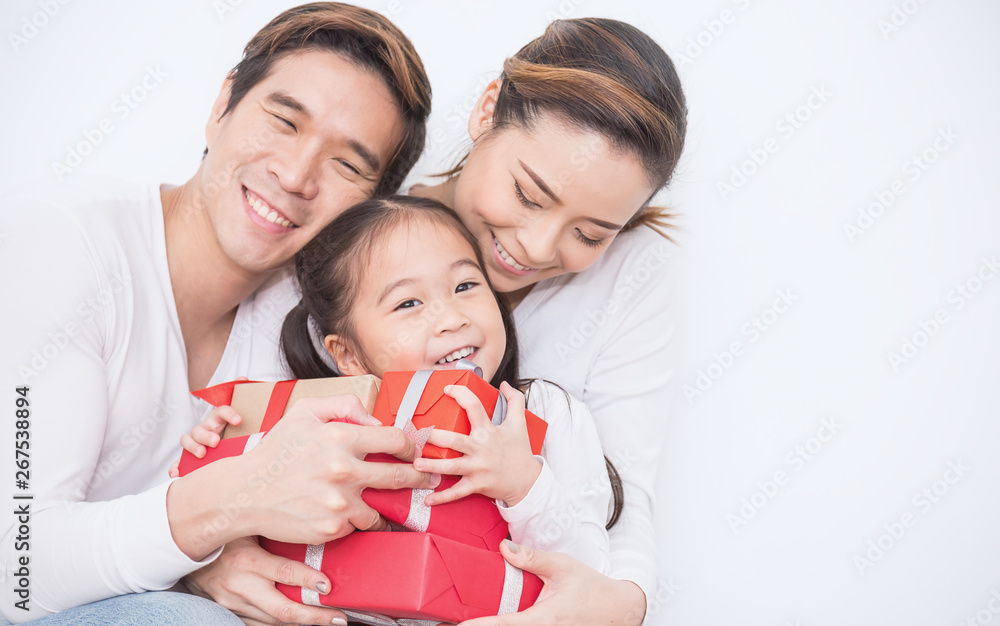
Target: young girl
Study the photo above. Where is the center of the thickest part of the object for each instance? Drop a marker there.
(397, 284)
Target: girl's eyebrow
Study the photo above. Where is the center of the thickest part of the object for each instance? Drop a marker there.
(403, 282)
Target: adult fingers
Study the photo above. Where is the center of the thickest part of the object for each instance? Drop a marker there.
(369, 440)
(367, 518)
(395, 476)
(456, 467)
(276, 606)
(546, 565)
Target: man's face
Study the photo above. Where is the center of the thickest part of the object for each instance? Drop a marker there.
(303, 145)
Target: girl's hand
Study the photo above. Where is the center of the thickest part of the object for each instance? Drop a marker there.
(573, 593)
(497, 460)
(208, 434)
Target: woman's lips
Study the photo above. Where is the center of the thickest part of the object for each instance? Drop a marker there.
(509, 263)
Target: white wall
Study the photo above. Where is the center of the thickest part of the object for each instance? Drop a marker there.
(855, 297)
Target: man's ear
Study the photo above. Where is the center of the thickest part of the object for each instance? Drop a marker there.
(218, 108)
(481, 118)
(343, 355)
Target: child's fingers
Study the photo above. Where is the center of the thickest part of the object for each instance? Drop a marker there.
(457, 491)
(202, 435)
(192, 446)
(459, 466)
(470, 402)
(515, 402)
(174, 471)
(451, 440)
(221, 416)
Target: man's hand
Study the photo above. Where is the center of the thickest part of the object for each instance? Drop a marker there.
(301, 484)
(242, 580)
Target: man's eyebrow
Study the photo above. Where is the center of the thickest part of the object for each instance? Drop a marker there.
(538, 181)
(283, 98)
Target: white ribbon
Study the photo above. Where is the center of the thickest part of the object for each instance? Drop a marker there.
(314, 559)
(252, 442)
(513, 582)
(419, 517)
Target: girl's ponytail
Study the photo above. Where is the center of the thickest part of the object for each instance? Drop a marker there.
(298, 347)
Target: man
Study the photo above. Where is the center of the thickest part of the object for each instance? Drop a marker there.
(124, 299)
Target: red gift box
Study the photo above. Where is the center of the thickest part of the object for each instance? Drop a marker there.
(411, 576)
(473, 520)
(430, 407)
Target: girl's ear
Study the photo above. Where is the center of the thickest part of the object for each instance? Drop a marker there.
(482, 114)
(218, 108)
(343, 355)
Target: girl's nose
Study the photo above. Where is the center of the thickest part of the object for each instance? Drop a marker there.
(450, 318)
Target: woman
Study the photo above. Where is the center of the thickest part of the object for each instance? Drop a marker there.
(583, 127)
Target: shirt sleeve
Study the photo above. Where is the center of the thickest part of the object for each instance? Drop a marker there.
(567, 508)
(632, 382)
(57, 312)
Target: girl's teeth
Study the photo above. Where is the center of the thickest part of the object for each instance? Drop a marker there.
(456, 355)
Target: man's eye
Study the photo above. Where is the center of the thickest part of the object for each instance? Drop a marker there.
(407, 304)
(350, 167)
(290, 125)
(467, 285)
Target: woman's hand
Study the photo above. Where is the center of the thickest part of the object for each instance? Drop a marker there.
(497, 460)
(573, 593)
(242, 580)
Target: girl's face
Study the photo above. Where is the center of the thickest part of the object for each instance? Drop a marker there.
(423, 303)
(544, 201)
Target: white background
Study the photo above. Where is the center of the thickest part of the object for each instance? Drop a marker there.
(795, 560)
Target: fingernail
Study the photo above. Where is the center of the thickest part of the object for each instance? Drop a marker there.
(339, 621)
(435, 480)
(324, 589)
(513, 547)
(373, 421)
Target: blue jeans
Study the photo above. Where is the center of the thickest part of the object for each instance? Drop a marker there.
(140, 609)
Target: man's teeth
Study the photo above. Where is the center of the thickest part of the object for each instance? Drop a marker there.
(508, 259)
(265, 211)
(457, 354)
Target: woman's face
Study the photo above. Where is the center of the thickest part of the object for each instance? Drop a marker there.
(547, 200)
(423, 303)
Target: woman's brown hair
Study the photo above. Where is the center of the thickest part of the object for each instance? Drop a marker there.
(604, 76)
(367, 38)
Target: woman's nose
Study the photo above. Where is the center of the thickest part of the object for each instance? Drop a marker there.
(539, 240)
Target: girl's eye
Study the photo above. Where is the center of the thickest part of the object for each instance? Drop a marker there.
(587, 241)
(407, 304)
(523, 199)
(467, 285)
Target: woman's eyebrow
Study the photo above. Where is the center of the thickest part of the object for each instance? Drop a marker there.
(538, 181)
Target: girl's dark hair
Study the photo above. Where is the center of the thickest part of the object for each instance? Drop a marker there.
(368, 39)
(330, 269)
(604, 76)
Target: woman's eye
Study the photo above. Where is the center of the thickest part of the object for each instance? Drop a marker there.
(587, 241)
(523, 199)
(407, 304)
(467, 285)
